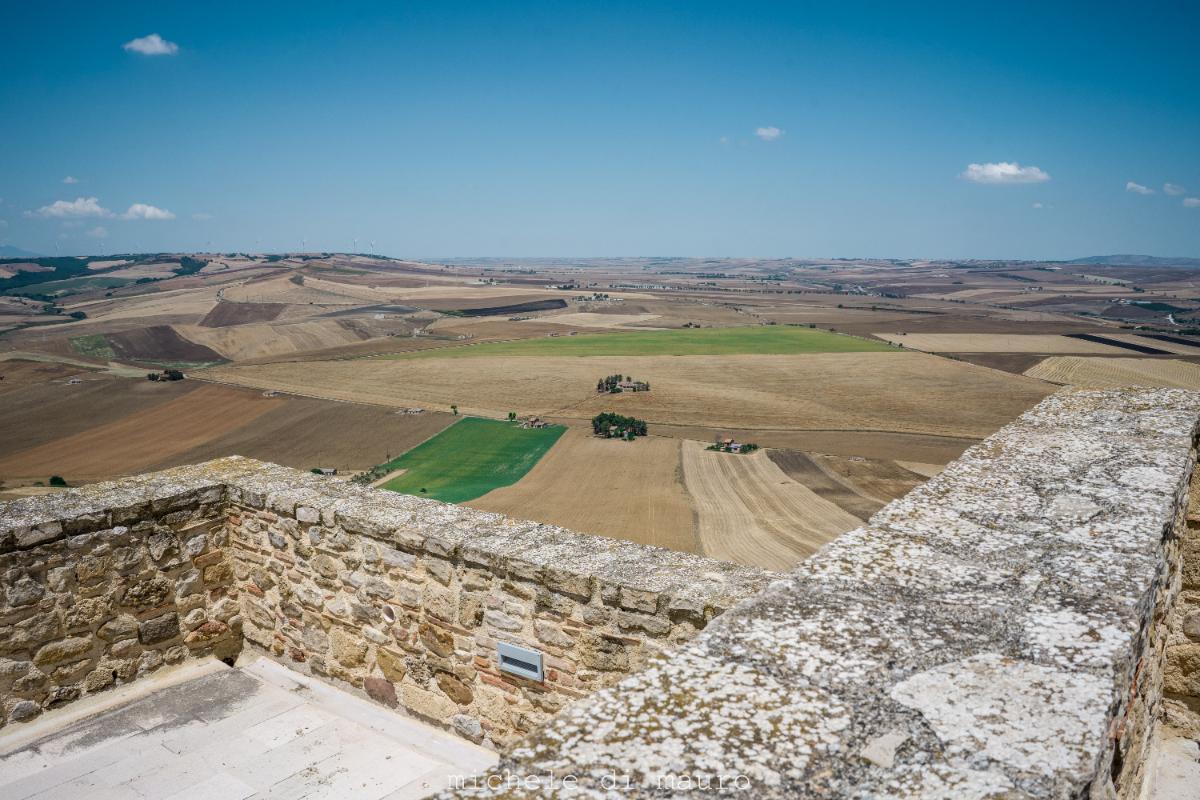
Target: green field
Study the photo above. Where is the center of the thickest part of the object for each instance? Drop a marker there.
(93, 346)
(470, 458)
(761, 339)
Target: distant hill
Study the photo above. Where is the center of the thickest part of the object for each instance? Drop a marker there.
(1137, 261)
(8, 251)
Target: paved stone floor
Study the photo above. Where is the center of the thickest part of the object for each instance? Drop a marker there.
(220, 733)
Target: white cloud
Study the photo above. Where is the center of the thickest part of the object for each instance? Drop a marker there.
(69, 180)
(1040, 205)
(724, 140)
(1004, 172)
(1173, 189)
(143, 211)
(152, 45)
(1137, 188)
(79, 207)
(768, 134)
(98, 232)
(201, 215)
(1192, 202)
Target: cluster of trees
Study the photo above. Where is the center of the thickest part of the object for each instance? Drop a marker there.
(165, 375)
(616, 426)
(611, 384)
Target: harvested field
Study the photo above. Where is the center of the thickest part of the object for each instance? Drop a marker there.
(825, 391)
(470, 459)
(305, 433)
(227, 313)
(174, 303)
(805, 470)
(874, 444)
(1142, 347)
(625, 490)
(514, 308)
(1172, 344)
(273, 339)
(136, 441)
(16, 375)
(996, 343)
(594, 319)
(927, 470)
(1016, 363)
(882, 480)
(750, 512)
(159, 344)
(1107, 373)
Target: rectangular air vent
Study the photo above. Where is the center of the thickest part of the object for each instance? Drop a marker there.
(521, 661)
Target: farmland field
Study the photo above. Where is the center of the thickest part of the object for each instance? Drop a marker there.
(135, 441)
(820, 391)
(772, 339)
(997, 343)
(750, 512)
(1108, 373)
(470, 459)
(630, 490)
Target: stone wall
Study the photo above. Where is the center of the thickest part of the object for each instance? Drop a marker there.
(1000, 632)
(1180, 628)
(410, 607)
(399, 597)
(102, 598)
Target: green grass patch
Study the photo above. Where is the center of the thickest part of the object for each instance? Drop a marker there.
(470, 458)
(762, 339)
(93, 346)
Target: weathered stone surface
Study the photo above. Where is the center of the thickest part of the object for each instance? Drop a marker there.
(23, 711)
(24, 592)
(381, 691)
(159, 629)
(148, 593)
(391, 664)
(455, 689)
(438, 641)
(71, 649)
(348, 649)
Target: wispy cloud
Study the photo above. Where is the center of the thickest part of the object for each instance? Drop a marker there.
(1192, 202)
(1042, 205)
(98, 232)
(202, 215)
(1004, 172)
(70, 180)
(768, 134)
(79, 207)
(1173, 189)
(144, 211)
(152, 45)
(1137, 188)
(90, 207)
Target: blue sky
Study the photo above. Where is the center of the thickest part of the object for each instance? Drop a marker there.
(615, 128)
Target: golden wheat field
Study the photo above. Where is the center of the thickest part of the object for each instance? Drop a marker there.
(628, 490)
(1109, 373)
(824, 391)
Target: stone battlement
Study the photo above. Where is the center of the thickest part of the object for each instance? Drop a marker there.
(401, 597)
(1016, 627)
